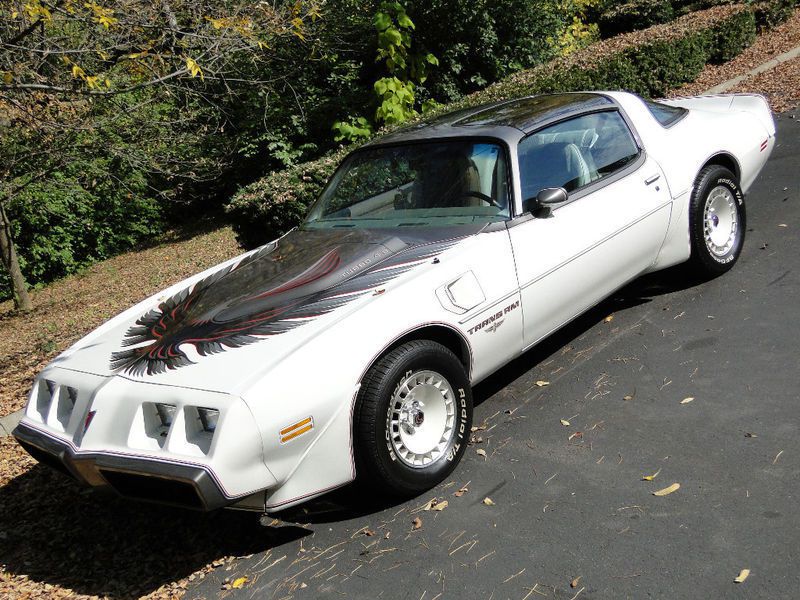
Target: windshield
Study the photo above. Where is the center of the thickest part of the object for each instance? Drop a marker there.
(433, 183)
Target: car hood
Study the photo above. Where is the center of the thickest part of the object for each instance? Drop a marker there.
(285, 287)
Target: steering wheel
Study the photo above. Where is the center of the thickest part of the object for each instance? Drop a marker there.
(481, 196)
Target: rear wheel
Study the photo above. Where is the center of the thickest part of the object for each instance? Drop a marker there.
(413, 417)
(716, 221)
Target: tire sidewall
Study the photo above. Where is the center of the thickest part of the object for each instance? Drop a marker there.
(704, 259)
(432, 357)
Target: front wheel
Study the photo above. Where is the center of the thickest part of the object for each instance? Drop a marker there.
(413, 418)
(716, 221)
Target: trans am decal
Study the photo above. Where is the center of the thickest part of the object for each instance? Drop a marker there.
(269, 292)
(492, 323)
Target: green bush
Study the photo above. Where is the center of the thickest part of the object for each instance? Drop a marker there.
(77, 216)
(480, 42)
(683, 7)
(274, 204)
(649, 63)
(774, 12)
(621, 17)
(738, 35)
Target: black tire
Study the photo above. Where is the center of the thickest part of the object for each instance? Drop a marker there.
(377, 460)
(706, 261)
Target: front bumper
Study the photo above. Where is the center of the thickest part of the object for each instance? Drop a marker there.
(186, 485)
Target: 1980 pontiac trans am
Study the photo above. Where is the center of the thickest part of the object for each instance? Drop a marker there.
(434, 256)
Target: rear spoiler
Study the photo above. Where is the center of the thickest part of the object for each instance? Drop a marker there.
(755, 104)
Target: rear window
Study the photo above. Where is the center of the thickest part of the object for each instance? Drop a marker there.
(664, 113)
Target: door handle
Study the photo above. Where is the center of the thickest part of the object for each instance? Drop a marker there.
(652, 179)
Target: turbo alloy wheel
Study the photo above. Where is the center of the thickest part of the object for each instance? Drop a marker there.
(421, 418)
(721, 221)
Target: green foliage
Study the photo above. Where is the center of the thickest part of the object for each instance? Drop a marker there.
(621, 17)
(479, 42)
(740, 33)
(79, 215)
(395, 93)
(773, 12)
(355, 130)
(274, 204)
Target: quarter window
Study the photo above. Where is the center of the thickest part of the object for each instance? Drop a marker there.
(575, 153)
(665, 114)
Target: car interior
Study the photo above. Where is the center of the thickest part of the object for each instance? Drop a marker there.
(574, 153)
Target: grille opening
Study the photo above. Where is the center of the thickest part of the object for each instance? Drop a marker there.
(153, 489)
(46, 458)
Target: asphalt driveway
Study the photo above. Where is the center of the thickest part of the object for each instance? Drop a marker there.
(569, 502)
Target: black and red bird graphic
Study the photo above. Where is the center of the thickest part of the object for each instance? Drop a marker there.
(284, 285)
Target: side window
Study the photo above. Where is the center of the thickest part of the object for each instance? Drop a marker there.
(665, 114)
(574, 153)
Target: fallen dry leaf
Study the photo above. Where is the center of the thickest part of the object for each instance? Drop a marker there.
(628, 397)
(542, 383)
(749, 434)
(667, 490)
(574, 582)
(608, 319)
(460, 492)
(651, 477)
(743, 574)
(481, 452)
(577, 434)
(488, 501)
(439, 506)
(369, 532)
(687, 400)
(239, 582)
(416, 523)
(428, 504)
(565, 423)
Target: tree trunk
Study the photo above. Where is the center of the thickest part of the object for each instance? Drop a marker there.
(8, 256)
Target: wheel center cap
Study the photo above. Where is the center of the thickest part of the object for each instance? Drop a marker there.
(411, 417)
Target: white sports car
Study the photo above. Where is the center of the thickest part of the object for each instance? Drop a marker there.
(434, 256)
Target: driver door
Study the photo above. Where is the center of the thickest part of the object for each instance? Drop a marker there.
(608, 232)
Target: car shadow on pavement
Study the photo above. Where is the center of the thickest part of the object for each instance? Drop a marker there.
(54, 531)
(638, 292)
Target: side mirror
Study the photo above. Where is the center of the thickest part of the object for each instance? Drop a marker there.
(555, 195)
(540, 205)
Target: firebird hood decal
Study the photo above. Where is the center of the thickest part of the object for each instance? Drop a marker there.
(284, 285)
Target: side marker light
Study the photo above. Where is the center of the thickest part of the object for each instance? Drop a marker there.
(298, 429)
